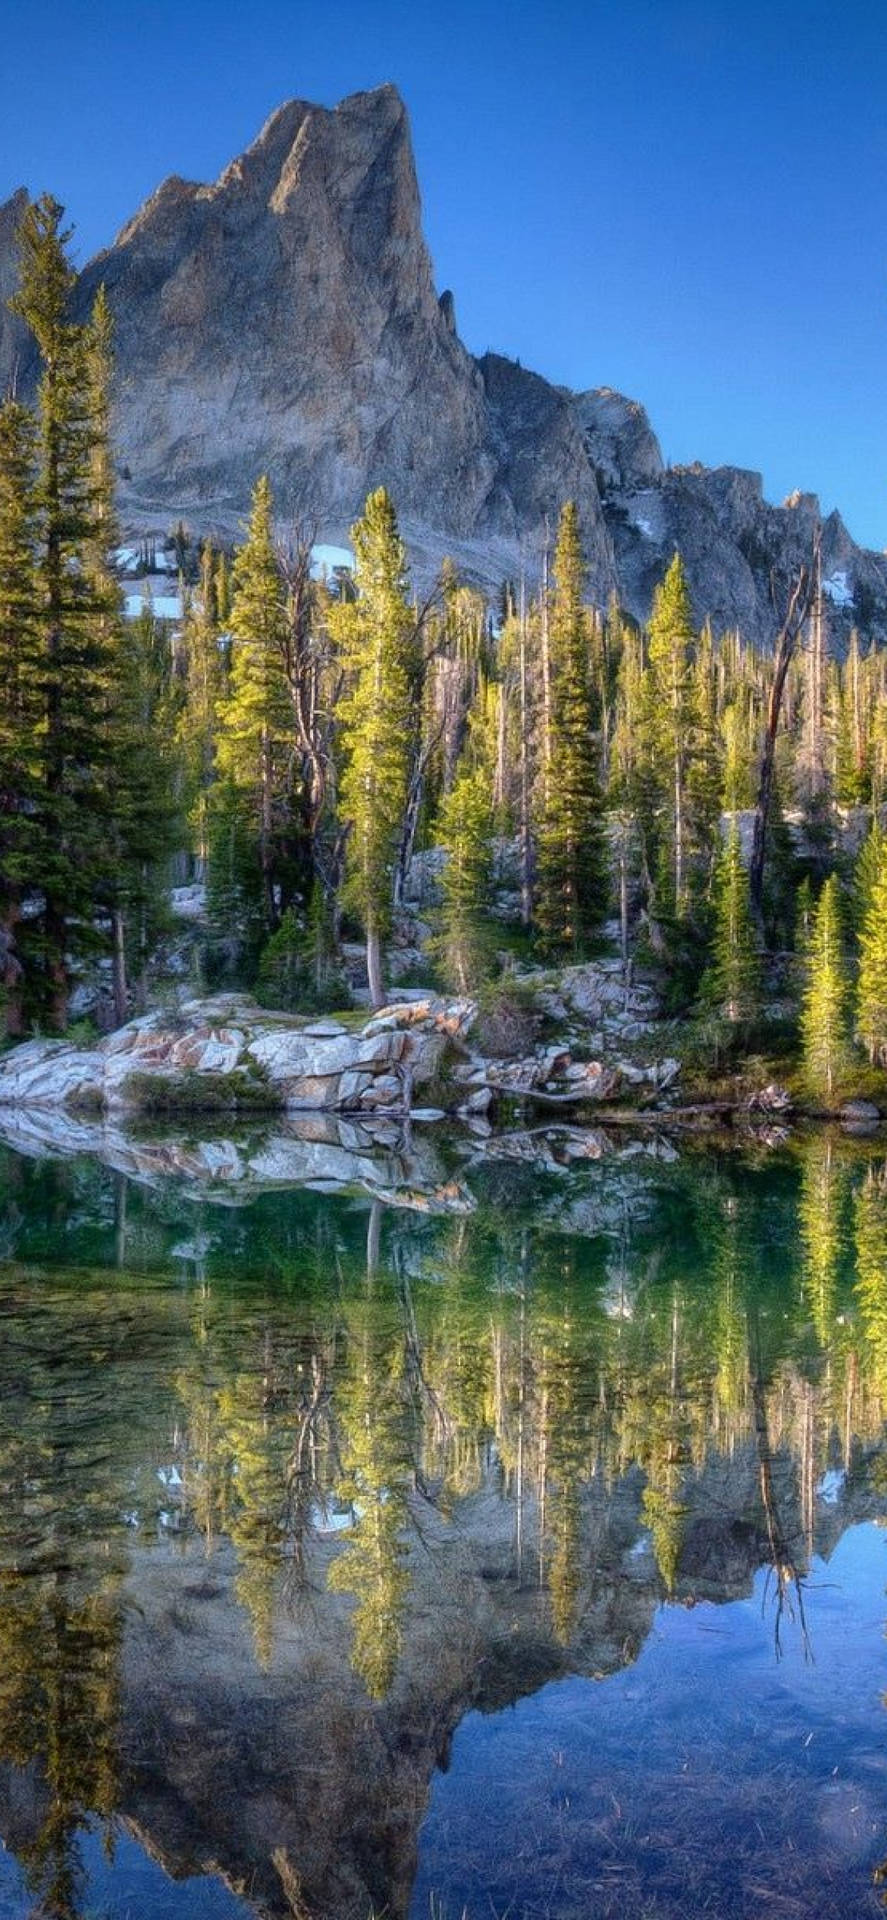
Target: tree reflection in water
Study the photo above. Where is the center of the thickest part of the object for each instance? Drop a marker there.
(342, 1401)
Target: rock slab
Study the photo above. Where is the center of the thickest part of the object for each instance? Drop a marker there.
(248, 1055)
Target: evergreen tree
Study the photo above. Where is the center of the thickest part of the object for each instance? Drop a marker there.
(867, 873)
(140, 804)
(572, 869)
(203, 691)
(255, 748)
(465, 832)
(733, 981)
(871, 993)
(378, 634)
(78, 611)
(824, 1010)
(670, 645)
(299, 967)
(21, 707)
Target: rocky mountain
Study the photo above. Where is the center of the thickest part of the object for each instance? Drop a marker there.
(285, 319)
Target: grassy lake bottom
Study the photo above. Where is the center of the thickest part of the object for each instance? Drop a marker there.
(507, 1546)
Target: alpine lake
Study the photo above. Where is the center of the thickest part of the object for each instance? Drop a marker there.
(480, 1529)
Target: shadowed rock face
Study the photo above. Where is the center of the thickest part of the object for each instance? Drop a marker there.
(13, 333)
(285, 320)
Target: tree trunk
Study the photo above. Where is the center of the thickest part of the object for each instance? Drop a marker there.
(623, 903)
(546, 683)
(374, 965)
(56, 972)
(798, 608)
(121, 992)
(11, 974)
(267, 822)
(678, 832)
(525, 844)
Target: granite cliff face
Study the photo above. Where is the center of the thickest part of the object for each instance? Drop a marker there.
(286, 319)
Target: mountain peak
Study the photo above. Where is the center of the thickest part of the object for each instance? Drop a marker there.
(283, 319)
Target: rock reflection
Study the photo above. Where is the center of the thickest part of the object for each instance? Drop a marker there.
(454, 1454)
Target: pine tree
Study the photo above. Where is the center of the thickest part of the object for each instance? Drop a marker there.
(378, 635)
(20, 705)
(867, 873)
(824, 1010)
(572, 868)
(670, 644)
(464, 830)
(871, 993)
(733, 981)
(77, 609)
(139, 803)
(299, 968)
(255, 746)
(203, 692)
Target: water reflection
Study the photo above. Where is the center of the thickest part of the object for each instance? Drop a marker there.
(289, 1487)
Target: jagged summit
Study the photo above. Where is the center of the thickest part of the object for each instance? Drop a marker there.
(285, 318)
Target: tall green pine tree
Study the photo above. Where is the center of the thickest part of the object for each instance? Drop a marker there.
(825, 1005)
(572, 886)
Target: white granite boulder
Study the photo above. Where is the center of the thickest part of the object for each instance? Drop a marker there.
(230, 1050)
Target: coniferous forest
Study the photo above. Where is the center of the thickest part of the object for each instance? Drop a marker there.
(443, 976)
(709, 811)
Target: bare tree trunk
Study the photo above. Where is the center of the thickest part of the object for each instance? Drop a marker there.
(499, 783)
(267, 822)
(678, 831)
(120, 986)
(796, 614)
(374, 965)
(623, 900)
(11, 973)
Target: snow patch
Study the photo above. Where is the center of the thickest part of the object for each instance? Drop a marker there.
(839, 593)
(831, 1485)
(164, 606)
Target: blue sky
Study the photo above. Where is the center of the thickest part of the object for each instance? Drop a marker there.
(684, 199)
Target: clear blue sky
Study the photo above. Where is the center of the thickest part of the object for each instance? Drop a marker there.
(684, 199)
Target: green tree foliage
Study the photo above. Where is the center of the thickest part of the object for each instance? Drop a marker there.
(871, 992)
(377, 633)
(255, 749)
(464, 831)
(825, 1005)
(670, 719)
(299, 968)
(81, 799)
(21, 707)
(733, 981)
(75, 604)
(572, 883)
(203, 678)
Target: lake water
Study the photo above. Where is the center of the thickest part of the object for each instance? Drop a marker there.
(479, 1529)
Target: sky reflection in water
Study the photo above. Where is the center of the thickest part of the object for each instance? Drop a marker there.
(564, 1509)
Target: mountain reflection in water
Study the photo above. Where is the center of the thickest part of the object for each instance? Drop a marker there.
(295, 1489)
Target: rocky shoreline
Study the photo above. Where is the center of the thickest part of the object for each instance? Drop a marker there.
(225, 1057)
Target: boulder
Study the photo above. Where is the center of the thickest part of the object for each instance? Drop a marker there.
(227, 1052)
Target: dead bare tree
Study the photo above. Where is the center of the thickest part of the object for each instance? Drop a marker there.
(797, 611)
(313, 685)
